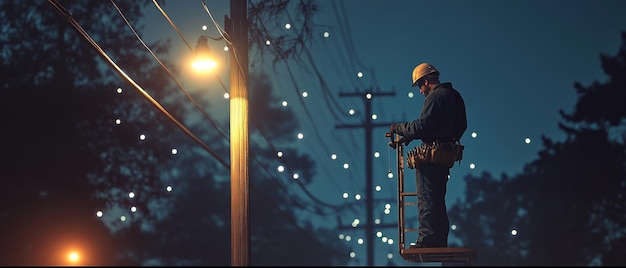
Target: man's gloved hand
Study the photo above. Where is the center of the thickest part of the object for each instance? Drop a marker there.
(392, 128)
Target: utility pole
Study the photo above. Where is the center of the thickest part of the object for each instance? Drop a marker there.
(368, 126)
(237, 29)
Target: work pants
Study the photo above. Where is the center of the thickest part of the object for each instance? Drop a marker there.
(434, 225)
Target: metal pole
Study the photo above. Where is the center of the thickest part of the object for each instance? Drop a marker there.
(239, 142)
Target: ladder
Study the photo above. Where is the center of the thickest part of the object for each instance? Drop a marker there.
(448, 256)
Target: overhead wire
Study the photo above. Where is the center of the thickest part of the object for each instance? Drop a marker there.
(185, 40)
(87, 37)
(348, 39)
(259, 126)
(341, 15)
(237, 60)
(123, 74)
(351, 55)
(225, 37)
(311, 120)
(292, 221)
(315, 129)
(350, 49)
(234, 49)
(328, 95)
(180, 86)
(336, 208)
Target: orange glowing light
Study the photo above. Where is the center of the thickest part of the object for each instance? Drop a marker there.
(73, 257)
(204, 65)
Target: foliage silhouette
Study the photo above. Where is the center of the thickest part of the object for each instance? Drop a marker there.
(567, 206)
(66, 158)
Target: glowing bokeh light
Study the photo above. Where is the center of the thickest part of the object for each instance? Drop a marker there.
(73, 257)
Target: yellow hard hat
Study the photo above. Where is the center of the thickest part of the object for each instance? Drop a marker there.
(422, 70)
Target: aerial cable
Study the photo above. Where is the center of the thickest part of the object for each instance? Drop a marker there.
(185, 40)
(298, 91)
(204, 113)
(102, 53)
(88, 38)
(350, 41)
(228, 41)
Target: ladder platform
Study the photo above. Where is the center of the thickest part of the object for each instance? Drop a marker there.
(447, 255)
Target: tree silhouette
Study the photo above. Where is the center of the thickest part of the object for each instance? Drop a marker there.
(66, 156)
(56, 100)
(566, 207)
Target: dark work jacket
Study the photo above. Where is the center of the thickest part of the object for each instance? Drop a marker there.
(442, 118)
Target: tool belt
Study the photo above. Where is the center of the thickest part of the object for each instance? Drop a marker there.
(435, 153)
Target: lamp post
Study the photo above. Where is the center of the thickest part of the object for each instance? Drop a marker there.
(237, 29)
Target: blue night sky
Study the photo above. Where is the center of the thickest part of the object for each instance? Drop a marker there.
(514, 62)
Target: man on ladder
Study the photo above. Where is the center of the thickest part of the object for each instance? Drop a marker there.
(440, 125)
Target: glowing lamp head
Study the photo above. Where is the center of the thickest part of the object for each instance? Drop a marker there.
(203, 60)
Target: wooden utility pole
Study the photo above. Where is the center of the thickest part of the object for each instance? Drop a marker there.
(368, 126)
(237, 29)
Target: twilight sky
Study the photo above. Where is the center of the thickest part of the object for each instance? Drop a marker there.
(514, 62)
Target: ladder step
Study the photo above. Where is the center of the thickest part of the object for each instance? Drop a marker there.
(406, 230)
(410, 203)
(455, 255)
(408, 193)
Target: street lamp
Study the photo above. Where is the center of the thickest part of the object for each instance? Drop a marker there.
(203, 60)
(237, 30)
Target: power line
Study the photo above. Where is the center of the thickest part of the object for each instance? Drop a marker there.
(102, 53)
(369, 186)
